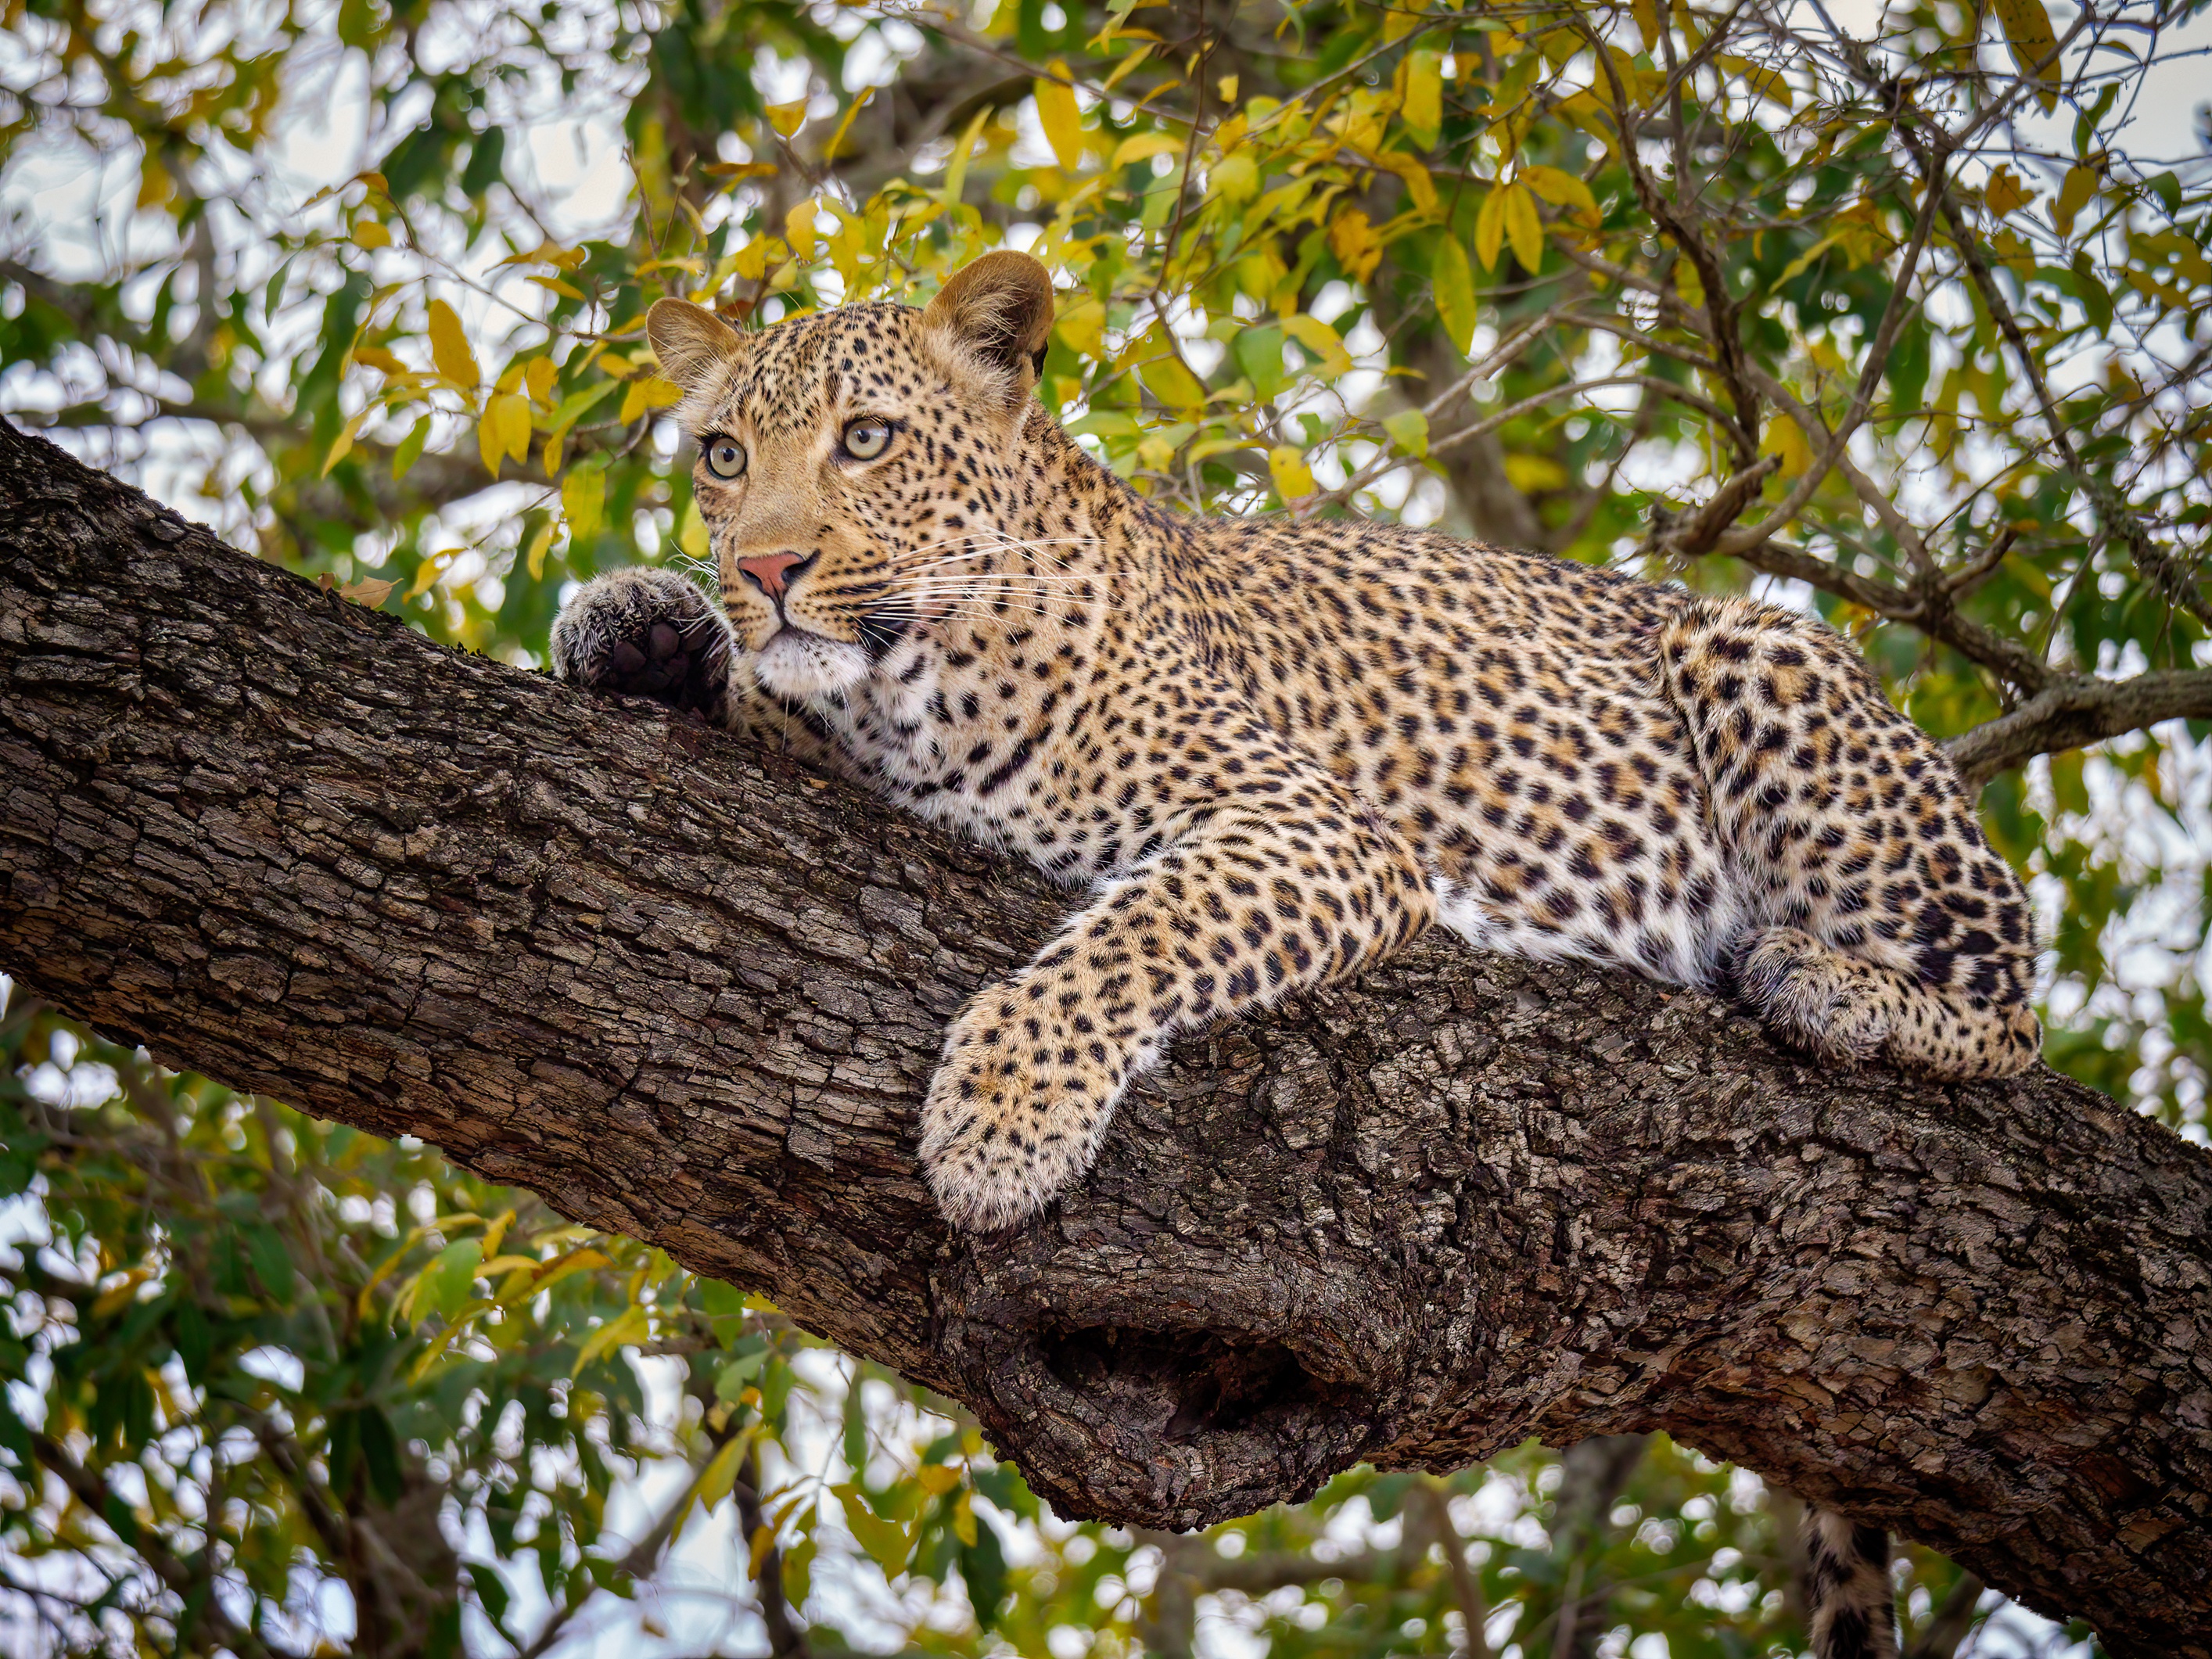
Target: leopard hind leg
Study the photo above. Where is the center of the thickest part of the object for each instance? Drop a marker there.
(1873, 919)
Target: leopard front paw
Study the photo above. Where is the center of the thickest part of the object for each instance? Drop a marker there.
(1015, 1114)
(645, 632)
(1814, 997)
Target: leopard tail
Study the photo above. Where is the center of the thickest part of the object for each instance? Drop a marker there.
(1850, 1610)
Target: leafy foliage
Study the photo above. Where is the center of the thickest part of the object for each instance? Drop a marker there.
(1903, 322)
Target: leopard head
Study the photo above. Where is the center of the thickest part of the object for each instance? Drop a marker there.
(848, 462)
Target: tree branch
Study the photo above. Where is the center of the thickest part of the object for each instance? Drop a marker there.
(692, 993)
(2074, 712)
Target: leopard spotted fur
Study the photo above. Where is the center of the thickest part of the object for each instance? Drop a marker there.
(1275, 750)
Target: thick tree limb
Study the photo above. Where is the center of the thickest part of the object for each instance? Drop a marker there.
(2077, 711)
(688, 993)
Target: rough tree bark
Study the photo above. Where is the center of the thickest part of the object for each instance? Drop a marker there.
(692, 994)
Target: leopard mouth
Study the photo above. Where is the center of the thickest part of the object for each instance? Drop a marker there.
(805, 666)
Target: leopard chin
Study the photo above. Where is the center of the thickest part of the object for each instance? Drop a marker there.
(806, 668)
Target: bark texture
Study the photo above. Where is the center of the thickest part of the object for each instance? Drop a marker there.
(693, 994)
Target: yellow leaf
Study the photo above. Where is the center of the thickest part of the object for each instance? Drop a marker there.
(378, 359)
(1523, 230)
(964, 1519)
(1797, 266)
(1563, 190)
(798, 229)
(691, 532)
(1143, 146)
(586, 1259)
(1419, 184)
(1294, 479)
(539, 376)
(368, 591)
(787, 118)
(955, 171)
(2074, 195)
(885, 1541)
(425, 574)
(936, 1479)
(1062, 120)
(1785, 439)
(342, 442)
(732, 172)
(1130, 63)
(1321, 339)
(1163, 371)
(1423, 112)
(721, 1471)
(370, 234)
(117, 1295)
(1533, 473)
(837, 138)
(629, 1326)
(1352, 239)
(535, 558)
(583, 500)
(449, 348)
(556, 285)
(506, 417)
(1760, 82)
(764, 1540)
(1490, 228)
(2006, 191)
(648, 391)
(1082, 327)
(1454, 284)
(2027, 31)
(1227, 87)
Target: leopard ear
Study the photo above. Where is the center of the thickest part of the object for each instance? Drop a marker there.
(998, 310)
(694, 344)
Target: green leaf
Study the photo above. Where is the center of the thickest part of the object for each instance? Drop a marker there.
(1409, 430)
(1454, 284)
(1258, 352)
(486, 158)
(411, 449)
(444, 1284)
(886, 1542)
(983, 1568)
(272, 1261)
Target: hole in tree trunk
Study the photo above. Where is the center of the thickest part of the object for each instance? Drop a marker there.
(1207, 1383)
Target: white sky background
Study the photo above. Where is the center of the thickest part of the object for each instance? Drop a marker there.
(572, 168)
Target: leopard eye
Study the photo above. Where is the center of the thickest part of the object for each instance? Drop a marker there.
(867, 438)
(726, 457)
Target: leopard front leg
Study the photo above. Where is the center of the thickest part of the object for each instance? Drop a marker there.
(1240, 910)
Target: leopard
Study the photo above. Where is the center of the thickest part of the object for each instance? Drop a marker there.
(1272, 750)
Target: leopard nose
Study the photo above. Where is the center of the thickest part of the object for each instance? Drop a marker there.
(768, 570)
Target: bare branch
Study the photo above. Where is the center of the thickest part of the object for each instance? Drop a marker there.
(2074, 712)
